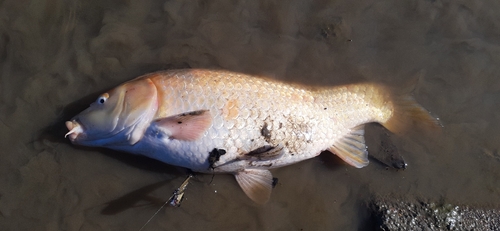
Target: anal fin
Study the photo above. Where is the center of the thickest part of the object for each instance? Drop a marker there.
(256, 183)
(352, 148)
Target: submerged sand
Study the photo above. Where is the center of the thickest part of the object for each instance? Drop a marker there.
(55, 56)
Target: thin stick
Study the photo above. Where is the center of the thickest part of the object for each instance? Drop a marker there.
(157, 211)
(174, 200)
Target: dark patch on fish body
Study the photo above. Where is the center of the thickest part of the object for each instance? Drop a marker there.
(264, 153)
(214, 156)
(265, 132)
(197, 112)
(259, 164)
(194, 113)
(260, 150)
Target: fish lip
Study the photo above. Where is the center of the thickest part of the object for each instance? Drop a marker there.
(75, 130)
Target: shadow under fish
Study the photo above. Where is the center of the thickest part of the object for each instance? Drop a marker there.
(132, 199)
(388, 154)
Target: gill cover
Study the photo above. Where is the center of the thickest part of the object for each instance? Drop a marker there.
(120, 116)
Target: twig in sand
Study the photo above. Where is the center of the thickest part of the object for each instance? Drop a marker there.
(174, 200)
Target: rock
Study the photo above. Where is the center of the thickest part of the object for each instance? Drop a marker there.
(396, 214)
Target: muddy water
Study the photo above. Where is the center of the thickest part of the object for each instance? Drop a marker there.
(55, 56)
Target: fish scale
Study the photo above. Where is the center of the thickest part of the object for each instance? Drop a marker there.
(224, 122)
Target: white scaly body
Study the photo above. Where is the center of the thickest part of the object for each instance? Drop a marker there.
(243, 108)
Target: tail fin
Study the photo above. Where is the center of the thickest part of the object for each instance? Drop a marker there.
(408, 112)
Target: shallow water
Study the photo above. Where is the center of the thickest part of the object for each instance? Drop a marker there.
(57, 55)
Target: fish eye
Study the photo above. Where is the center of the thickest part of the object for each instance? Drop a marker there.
(102, 99)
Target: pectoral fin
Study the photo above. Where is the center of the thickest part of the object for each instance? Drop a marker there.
(352, 148)
(186, 126)
(256, 183)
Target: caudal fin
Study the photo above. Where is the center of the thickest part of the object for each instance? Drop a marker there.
(407, 113)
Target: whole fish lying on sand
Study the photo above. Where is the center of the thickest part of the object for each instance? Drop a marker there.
(224, 122)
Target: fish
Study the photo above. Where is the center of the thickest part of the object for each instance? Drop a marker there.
(218, 121)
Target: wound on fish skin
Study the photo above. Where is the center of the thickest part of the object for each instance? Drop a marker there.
(214, 156)
(193, 113)
(265, 132)
(260, 150)
(265, 152)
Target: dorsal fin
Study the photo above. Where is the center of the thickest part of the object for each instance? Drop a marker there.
(256, 183)
(352, 148)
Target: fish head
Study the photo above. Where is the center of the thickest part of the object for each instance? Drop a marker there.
(118, 117)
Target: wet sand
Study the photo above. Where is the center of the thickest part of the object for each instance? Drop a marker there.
(55, 56)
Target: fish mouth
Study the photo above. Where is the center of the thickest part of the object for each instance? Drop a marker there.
(74, 128)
